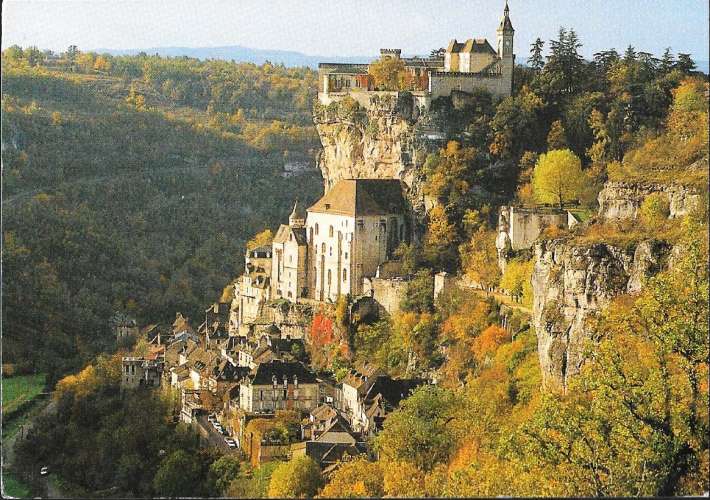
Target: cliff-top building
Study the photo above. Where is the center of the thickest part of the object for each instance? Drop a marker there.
(465, 66)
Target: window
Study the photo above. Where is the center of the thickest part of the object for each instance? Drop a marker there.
(285, 396)
(330, 231)
(316, 228)
(346, 255)
(261, 395)
(330, 251)
(322, 247)
(345, 274)
(329, 277)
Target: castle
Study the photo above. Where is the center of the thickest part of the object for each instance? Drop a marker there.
(464, 66)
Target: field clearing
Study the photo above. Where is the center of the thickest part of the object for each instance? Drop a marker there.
(19, 389)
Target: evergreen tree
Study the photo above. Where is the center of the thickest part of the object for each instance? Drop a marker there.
(685, 64)
(536, 61)
(667, 62)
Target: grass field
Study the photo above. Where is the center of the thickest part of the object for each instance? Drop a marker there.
(19, 389)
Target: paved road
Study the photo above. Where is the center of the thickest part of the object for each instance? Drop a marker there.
(214, 438)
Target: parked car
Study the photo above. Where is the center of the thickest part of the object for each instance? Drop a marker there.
(44, 471)
(230, 442)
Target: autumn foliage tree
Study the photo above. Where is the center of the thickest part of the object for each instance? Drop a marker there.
(356, 478)
(300, 477)
(558, 177)
(388, 73)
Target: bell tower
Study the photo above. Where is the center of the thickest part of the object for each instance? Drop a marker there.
(505, 34)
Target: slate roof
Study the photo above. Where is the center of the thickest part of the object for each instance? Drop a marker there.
(263, 374)
(392, 390)
(299, 234)
(360, 197)
(472, 46)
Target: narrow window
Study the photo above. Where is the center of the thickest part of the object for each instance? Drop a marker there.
(345, 274)
(330, 231)
(316, 228)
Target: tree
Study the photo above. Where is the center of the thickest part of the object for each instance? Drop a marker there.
(265, 237)
(654, 210)
(419, 294)
(685, 64)
(356, 478)
(420, 432)
(667, 62)
(479, 258)
(34, 56)
(297, 478)
(387, 73)
(516, 279)
(558, 177)
(556, 137)
(222, 472)
(536, 61)
(179, 475)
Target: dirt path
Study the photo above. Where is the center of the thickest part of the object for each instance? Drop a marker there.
(503, 299)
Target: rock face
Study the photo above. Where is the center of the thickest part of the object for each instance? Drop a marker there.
(387, 139)
(621, 200)
(571, 283)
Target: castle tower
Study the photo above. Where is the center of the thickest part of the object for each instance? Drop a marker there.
(504, 36)
(298, 216)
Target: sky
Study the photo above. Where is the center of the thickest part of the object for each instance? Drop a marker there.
(352, 28)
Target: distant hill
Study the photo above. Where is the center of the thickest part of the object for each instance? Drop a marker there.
(241, 54)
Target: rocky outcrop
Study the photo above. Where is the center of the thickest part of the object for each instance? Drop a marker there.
(621, 200)
(571, 284)
(388, 138)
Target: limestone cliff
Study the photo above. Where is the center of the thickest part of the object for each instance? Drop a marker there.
(621, 200)
(571, 283)
(387, 137)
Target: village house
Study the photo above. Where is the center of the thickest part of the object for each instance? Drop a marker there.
(123, 326)
(278, 385)
(253, 288)
(143, 371)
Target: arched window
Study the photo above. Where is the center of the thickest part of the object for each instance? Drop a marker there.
(329, 277)
(322, 248)
(330, 231)
(345, 274)
(316, 228)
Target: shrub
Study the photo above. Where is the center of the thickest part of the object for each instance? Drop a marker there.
(654, 209)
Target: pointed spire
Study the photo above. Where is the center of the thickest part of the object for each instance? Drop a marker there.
(298, 215)
(505, 24)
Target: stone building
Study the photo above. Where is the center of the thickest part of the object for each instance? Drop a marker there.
(278, 385)
(123, 326)
(351, 230)
(465, 66)
(253, 288)
(290, 257)
(143, 371)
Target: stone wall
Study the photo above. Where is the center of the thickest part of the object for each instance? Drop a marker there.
(524, 225)
(388, 292)
(442, 84)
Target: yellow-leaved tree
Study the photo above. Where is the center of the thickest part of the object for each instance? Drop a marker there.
(356, 478)
(265, 237)
(297, 478)
(558, 177)
(388, 73)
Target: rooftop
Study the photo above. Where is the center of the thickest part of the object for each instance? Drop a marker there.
(361, 197)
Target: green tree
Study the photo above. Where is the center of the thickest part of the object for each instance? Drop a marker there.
(421, 431)
(536, 61)
(419, 293)
(297, 478)
(556, 137)
(222, 472)
(179, 475)
(558, 177)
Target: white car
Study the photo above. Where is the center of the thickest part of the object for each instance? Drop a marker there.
(230, 442)
(44, 471)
